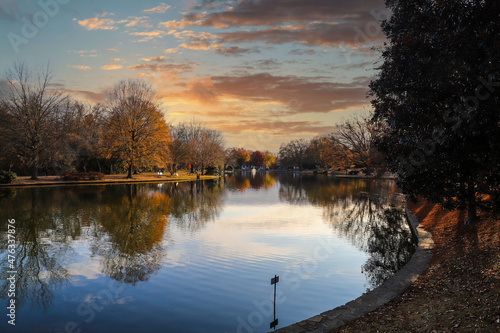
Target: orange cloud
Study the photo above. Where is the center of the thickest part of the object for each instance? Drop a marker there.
(80, 67)
(137, 21)
(97, 23)
(148, 35)
(162, 8)
(112, 67)
(155, 59)
(178, 68)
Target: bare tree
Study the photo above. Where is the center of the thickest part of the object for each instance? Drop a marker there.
(33, 109)
(293, 153)
(205, 147)
(178, 148)
(355, 136)
(211, 149)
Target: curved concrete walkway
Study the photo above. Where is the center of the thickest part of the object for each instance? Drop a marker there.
(370, 301)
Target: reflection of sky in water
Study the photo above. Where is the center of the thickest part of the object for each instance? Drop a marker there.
(207, 266)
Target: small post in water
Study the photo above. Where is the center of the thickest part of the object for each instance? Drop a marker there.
(274, 281)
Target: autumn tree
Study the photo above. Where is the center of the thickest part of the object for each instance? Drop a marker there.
(257, 159)
(136, 132)
(324, 151)
(242, 157)
(269, 159)
(34, 111)
(436, 100)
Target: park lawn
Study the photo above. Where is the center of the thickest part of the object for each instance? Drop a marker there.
(118, 178)
(459, 292)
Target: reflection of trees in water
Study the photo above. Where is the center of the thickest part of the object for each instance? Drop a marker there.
(194, 204)
(362, 211)
(390, 246)
(43, 228)
(256, 181)
(130, 230)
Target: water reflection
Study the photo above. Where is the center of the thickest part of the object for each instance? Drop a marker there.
(367, 213)
(41, 233)
(128, 231)
(257, 181)
(194, 204)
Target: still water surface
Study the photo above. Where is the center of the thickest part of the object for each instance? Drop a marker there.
(197, 257)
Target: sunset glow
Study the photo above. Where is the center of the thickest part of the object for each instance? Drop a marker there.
(261, 72)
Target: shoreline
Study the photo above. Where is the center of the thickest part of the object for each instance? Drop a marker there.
(25, 181)
(372, 300)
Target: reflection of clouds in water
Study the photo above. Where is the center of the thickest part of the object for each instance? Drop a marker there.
(88, 269)
(363, 212)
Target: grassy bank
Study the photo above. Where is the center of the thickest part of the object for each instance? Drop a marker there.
(119, 178)
(459, 292)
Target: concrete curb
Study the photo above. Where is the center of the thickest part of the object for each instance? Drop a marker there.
(329, 320)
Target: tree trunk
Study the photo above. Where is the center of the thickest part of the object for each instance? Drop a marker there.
(471, 204)
(129, 174)
(34, 172)
(173, 168)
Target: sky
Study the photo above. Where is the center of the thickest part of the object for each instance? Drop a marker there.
(263, 72)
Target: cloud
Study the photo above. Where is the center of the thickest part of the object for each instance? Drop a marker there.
(137, 21)
(148, 35)
(154, 59)
(162, 8)
(236, 51)
(112, 67)
(79, 67)
(273, 127)
(82, 51)
(9, 11)
(312, 22)
(302, 52)
(172, 25)
(98, 23)
(171, 50)
(288, 95)
(198, 40)
(163, 71)
(111, 50)
(87, 95)
(85, 53)
(315, 34)
(297, 94)
(177, 68)
(274, 12)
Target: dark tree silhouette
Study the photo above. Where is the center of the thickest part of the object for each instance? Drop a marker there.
(436, 100)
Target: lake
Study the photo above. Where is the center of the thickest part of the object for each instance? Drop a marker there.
(198, 256)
